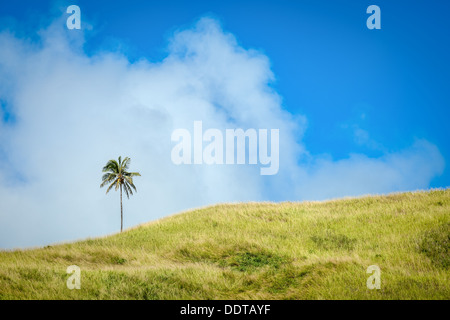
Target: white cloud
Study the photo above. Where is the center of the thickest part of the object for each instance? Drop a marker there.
(74, 112)
(405, 170)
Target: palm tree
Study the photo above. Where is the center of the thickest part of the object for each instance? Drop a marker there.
(117, 175)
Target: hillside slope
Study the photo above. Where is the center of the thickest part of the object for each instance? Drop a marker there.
(308, 250)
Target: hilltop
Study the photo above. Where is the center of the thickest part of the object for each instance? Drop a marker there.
(304, 250)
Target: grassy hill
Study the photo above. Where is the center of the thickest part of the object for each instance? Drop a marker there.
(308, 250)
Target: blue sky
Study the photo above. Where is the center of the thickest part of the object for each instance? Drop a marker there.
(373, 100)
(328, 65)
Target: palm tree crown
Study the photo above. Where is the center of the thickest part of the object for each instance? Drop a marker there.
(116, 174)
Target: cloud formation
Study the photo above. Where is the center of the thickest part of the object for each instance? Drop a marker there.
(69, 113)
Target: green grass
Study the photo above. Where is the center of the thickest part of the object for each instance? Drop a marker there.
(308, 250)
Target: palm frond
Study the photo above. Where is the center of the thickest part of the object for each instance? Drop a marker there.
(129, 181)
(111, 166)
(111, 185)
(109, 176)
(126, 190)
(125, 164)
(132, 174)
(104, 183)
(130, 190)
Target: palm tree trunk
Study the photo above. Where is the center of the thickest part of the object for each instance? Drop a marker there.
(121, 210)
